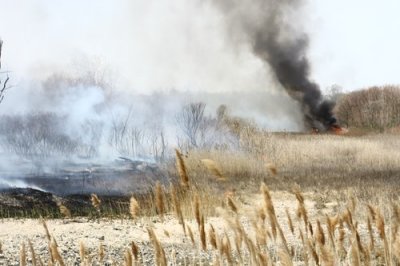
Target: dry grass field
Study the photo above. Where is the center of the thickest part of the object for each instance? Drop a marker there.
(283, 199)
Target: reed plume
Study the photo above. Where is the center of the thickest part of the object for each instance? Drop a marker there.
(134, 207)
(32, 250)
(331, 223)
(355, 253)
(301, 208)
(22, 255)
(203, 234)
(46, 229)
(135, 250)
(96, 202)
(232, 205)
(290, 223)
(327, 257)
(54, 252)
(82, 252)
(190, 234)
(181, 168)
(102, 253)
(160, 202)
(261, 238)
(263, 259)
(313, 251)
(270, 208)
(284, 256)
(371, 235)
(196, 208)
(395, 221)
(272, 168)
(212, 236)
(64, 210)
(380, 226)
(261, 214)
(342, 235)
(352, 204)
(214, 169)
(320, 236)
(161, 259)
(226, 249)
(128, 258)
(177, 208)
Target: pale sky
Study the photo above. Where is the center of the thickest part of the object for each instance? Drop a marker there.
(181, 44)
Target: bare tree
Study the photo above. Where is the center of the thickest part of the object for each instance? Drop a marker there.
(376, 108)
(40, 135)
(199, 130)
(192, 122)
(157, 145)
(3, 84)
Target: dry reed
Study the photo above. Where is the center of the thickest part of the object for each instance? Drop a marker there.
(161, 259)
(22, 255)
(290, 223)
(82, 252)
(232, 204)
(196, 208)
(212, 237)
(135, 250)
(128, 258)
(181, 168)
(96, 202)
(134, 208)
(285, 259)
(64, 210)
(46, 229)
(214, 169)
(33, 254)
(102, 253)
(202, 234)
(54, 252)
(160, 201)
(177, 208)
(189, 229)
(272, 168)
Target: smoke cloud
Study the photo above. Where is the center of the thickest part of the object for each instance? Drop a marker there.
(145, 46)
(273, 30)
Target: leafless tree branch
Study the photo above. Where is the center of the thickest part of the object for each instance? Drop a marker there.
(3, 85)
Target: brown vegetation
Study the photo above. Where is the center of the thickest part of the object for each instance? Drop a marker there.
(375, 108)
(358, 175)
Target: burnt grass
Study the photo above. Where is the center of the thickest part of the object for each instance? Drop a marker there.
(33, 203)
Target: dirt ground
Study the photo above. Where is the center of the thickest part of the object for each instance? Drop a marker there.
(116, 235)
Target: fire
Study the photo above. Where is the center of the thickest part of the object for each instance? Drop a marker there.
(338, 130)
(335, 129)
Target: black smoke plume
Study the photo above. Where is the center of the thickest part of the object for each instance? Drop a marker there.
(274, 31)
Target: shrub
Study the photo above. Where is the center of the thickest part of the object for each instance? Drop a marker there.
(376, 108)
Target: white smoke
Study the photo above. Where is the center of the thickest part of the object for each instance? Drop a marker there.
(96, 63)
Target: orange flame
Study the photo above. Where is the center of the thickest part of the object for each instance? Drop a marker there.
(338, 130)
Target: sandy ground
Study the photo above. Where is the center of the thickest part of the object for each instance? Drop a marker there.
(116, 235)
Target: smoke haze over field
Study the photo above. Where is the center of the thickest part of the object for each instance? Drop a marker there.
(98, 79)
(147, 46)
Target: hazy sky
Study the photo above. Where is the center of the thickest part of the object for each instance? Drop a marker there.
(163, 44)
